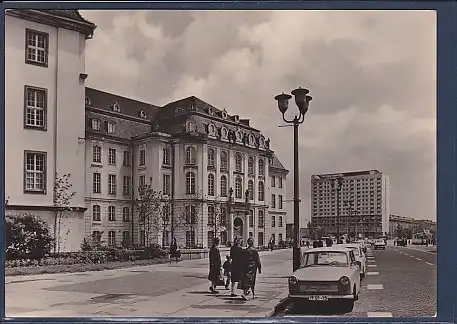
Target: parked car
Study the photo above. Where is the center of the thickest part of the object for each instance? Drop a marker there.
(327, 274)
(380, 244)
(359, 256)
(401, 242)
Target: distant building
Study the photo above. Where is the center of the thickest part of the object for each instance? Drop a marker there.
(415, 225)
(364, 203)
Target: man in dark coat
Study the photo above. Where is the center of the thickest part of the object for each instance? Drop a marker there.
(215, 264)
(236, 254)
(251, 265)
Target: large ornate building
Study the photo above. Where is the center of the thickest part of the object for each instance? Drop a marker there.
(217, 174)
(211, 167)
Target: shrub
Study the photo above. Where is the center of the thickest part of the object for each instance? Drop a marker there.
(27, 237)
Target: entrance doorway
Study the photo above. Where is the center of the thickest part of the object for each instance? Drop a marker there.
(238, 228)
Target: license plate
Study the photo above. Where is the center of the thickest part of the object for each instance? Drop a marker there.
(321, 298)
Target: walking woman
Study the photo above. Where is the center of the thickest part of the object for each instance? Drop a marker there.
(236, 254)
(174, 250)
(251, 265)
(215, 264)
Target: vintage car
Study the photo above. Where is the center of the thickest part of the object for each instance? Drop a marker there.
(360, 256)
(379, 244)
(327, 274)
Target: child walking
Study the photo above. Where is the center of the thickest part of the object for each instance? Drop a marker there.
(227, 270)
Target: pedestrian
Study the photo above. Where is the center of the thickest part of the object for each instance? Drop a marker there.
(174, 250)
(271, 243)
(236, 255)
(251, 264)
(329, 242)
(320, 243)
(315, 245)
(227, 269)
(214, 264)
(307, 244)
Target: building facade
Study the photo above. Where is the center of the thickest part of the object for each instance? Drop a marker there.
(44, 93)
(363, 203)
(210, 167)
(415, 225)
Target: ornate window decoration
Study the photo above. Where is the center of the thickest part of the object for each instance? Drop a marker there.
(261, 168)
(211, 130)
(236, 118)
(261, 142)
(210, 111)
(191, 126)
(211, 158)
(251, 165)
(224, 114)
(251, 140)
(239, 136)
(143, 114)
(224, 133)
(224, 161)
(87, 101)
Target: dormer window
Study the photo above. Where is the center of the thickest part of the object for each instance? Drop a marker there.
(251, 140)
(143, 114)
(224, 114)
(87, 101)
(224, 133)
(261, 142)
(212, 130)
(239, 136)
(236, 118)
(210, 111)
(116, 107)
(190, 126)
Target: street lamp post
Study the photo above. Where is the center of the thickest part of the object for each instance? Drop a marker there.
(302, 101)
(337, 184)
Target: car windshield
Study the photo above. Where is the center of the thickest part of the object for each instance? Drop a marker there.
(325, 258)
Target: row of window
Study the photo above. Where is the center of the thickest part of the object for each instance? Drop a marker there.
(97, 237)
(112, 153)
(273, 201)
(97, 214)
(224, 161)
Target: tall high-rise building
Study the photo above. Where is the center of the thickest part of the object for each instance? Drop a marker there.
(363, 203)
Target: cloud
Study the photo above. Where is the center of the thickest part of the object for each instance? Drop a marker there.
(372, 75)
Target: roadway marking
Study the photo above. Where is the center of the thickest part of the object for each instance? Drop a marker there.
(419, 259)
(412, 256)
(375, 286)
(429, 263)
(406, 254)
(371, 265)
(371, 261)
(374, 273)
(379, 314)
(420, 250)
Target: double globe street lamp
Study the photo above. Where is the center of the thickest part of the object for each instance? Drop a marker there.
(302, 101)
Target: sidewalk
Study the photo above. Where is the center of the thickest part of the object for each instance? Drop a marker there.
(68, 295)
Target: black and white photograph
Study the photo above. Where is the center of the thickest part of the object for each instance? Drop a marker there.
(220, 163)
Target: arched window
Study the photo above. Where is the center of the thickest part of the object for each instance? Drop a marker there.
(238, 188)
(211, 162)
(251, 190)
(190, 155)
(223, 186)
(224, 161)
(190, 183)
(211, 184)
(273, 221)
(261, 167)
(238, 162)
(261, 191)
(211, 215)
(251, 165)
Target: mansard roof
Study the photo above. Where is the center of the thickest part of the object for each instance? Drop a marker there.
(69, 19)
(104, 101)
(276, 164)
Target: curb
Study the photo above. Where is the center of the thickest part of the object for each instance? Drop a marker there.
(280, 305)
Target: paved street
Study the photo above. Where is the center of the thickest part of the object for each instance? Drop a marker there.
(401, 282)
(175, 290)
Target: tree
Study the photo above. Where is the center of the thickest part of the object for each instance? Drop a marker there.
(149, 207)
(166, 217)
(27, 236)
(188, 215)
(311, 230)
(62, 197)
(217, 215)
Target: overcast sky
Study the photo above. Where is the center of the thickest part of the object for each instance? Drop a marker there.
(372, 76)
